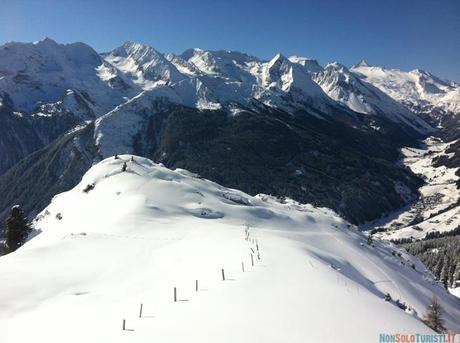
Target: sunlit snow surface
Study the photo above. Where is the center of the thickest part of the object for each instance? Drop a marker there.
(416, 88)
(140, 233)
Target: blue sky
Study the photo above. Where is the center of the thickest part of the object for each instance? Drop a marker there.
(406, 34)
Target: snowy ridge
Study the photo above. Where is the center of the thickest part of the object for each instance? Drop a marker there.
(417, 89)
(131, 238)
(346, 88)
(44, 71)
(223, 79)
(144, 64)
(115, 130)
(216, 79)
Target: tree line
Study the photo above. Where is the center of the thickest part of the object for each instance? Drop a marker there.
(440, 255)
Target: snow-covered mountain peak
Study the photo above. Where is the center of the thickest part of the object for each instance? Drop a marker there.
(43, 72)
(278, 60)
(203, 60)
(189, 53)
(279, 71)
(140, 52)
(146, 66)
(310, 64)
(346, 87)
(45, 56)
(419, 90)
(362, 63)
(337, 66)
(46, 41)
(225, 63)
(280, 74)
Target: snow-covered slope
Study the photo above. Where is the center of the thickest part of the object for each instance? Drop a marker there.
(48, 88)
(146, 66)
(137, 234)
(417, 89)
(308, 63)
(44, 72)
(216, 79)
(346, 88)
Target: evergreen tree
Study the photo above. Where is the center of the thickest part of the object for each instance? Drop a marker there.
(444, 277)
(456, 276)
(452, 264)
(17, 229)
(433, 317)
(370, 240)
(123, 169)
(438, 268)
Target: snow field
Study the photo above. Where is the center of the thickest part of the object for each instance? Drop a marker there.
(140, 233)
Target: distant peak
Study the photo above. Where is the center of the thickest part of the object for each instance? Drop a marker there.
(336, 65)
(189, 53)
(134, 49)
(363, 63)
(279, 58)
(310, 64)
(299, 59)
(135, 45)
(46, 41)
(421, 72)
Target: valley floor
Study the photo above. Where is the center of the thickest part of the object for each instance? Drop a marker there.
(437, 209)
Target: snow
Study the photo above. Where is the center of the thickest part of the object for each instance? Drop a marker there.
(437, 208)
(346, 88)
(44, 71)
(417, 89)
(455, 291)
(310, 64)
(115, 130)
(217, 79)
(146, 66)
(140, 233)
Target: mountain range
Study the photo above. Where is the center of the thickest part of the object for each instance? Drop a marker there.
(327, 135)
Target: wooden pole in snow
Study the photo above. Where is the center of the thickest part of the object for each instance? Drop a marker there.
(252, 260)
(140, 310)
(175, 294)
(223, 275)
(196, 285)
(124, 324)
(242, 266)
